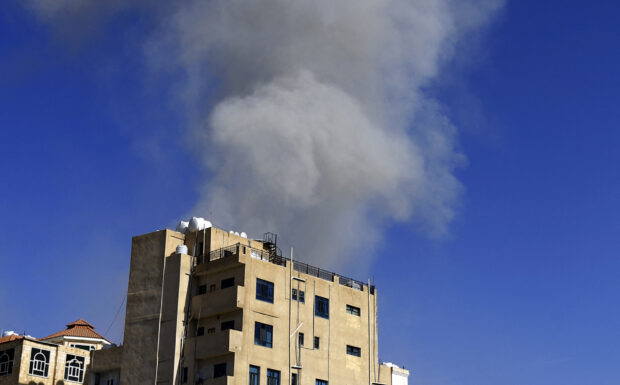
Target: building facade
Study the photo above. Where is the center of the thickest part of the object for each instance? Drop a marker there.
(216, 308)
(61, 358)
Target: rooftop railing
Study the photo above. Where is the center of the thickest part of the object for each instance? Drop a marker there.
(264, 255)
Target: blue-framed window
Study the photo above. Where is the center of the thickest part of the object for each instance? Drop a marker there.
(294, 379)
(264, 290)
(354, 351)
(263, 335)
(298, 295)
(353, 310)
(321, 382)
(321, 307)
(273, 377)
(254, 375)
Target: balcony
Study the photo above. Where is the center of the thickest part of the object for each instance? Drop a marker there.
(213, 345)
(221, 259)
(226, 380)
(218, 302)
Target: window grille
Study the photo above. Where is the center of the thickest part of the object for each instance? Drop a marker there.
(74, 368)
(6, 362)
(39, 362)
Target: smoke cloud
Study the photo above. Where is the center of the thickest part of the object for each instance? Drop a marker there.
(311, 116)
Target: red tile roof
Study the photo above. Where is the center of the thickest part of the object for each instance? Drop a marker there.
(79, 328)
(10, 338)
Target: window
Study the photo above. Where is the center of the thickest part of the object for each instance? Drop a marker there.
(184, 376)
(200, 331)
(254, 375)
(321, 382)
(83, 347)
(316, 342)
(263, 335)
(219, 370)
(6, 362)
(353, 310)
(298, 295)
(211, 331)
(74, 368)
(273, 377)
(294, 379)
(228, 325)
(264, 290)
(321, 307)
(228, 282)
(202, 289)
(212, 287)
(201, 248)
(354, 351)
(301, 339)
(39, 362)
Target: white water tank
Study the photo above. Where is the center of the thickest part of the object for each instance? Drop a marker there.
(182, 227)
(8, 333)
(181, 249)
(244, 235)
(196, 224)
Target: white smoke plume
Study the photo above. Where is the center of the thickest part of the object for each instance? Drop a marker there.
(311, 116)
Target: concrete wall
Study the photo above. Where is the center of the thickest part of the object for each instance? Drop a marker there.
(150, 253)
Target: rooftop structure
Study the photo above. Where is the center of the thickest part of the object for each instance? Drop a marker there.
(208, 306)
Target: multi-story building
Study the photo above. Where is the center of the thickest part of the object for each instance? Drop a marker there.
(208, 306)
(60, 358)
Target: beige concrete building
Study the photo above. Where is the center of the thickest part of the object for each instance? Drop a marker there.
(61, 358)
(215, 308)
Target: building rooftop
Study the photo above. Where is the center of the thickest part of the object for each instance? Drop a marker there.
(298, 266)
(12, 337)
(78, 328)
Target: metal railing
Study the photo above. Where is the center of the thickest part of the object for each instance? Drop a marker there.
(265, 255)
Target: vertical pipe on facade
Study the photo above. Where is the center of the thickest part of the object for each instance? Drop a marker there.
(161, 305)
(374, 334)
(290, 308)
(188, 303)
(369, 339)
(329, 332)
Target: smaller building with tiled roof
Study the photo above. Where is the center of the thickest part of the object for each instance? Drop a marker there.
(63, 355)
(78, 334)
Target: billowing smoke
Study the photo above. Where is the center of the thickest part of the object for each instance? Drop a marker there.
(311, 116)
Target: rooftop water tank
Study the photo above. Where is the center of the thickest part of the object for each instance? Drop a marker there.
(181, 249)
(244, 235)
(182, 227)
(196, 224)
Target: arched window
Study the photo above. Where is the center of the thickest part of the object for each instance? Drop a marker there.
(39, 362)
(74, 368)
(6, 362)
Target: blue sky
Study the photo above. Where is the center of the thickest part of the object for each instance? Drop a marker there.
(523, 290)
